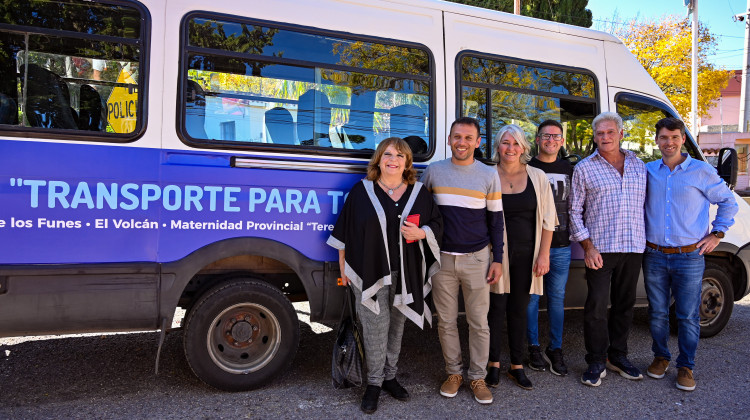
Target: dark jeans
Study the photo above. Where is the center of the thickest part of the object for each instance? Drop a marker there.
(678, 277)
(512, 305)
(615, 282)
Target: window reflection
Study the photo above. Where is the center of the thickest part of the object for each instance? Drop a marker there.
(527, 95)
(639, 121)
(494, 72)
(53, 77)
(297, 89)
(77, 16)
(287, 44)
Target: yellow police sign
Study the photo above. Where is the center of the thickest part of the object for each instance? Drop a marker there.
(122, 104)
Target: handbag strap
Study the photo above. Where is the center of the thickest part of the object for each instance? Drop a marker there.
(348, 308)
(350, 298)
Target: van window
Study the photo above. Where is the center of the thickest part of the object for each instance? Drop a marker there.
(259, 84)
(497, 91)
(71, 65)
(639, 116)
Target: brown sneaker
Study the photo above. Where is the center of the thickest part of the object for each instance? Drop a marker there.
(481, 393)
(685, 379)
(658, 368)
(451, 385)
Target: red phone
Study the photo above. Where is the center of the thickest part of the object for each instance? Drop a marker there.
(412, 218)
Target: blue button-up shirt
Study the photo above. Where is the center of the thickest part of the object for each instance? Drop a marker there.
(607, 207)
(677, 202)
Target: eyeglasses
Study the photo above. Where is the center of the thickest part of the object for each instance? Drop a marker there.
(547, 136)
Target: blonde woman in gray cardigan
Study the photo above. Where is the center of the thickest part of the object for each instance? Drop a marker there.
(530, 220)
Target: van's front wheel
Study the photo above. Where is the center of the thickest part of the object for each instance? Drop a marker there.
(240, 334)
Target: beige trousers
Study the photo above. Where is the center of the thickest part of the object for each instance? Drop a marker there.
(469, 272)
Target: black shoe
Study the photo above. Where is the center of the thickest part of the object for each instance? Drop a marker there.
(394, 388)
(536, 362)
(370, 399)
(493, 376)
(556, 362)
(622, 365)
(519, 377)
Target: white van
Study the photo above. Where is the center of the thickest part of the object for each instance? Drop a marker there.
(182, 153)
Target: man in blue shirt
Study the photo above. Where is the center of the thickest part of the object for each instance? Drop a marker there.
(679, 194)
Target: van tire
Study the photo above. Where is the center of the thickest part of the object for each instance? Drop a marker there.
(240, 334)
(717, 299)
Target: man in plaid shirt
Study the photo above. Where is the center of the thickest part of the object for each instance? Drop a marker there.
(606, 217)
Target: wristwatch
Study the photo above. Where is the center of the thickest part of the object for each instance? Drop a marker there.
(719, 234)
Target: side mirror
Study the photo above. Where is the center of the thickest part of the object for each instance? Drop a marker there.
(571, 158)
(726, 166)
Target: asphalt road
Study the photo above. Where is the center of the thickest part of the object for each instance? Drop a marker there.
(112, 376)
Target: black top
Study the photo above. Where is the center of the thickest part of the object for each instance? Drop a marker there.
(560, 173)
(393, 221)
(520, 216)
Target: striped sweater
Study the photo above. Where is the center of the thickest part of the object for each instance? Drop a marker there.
(470, 201)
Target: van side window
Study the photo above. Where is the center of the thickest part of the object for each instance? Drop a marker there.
(262, 85)
(639, 116)
(499, 91)
(71, 65)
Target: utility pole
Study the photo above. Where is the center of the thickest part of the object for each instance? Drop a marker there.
(744, 93)
(694, 76)
(517, 7)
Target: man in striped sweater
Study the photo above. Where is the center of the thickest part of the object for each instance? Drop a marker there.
(468, 195)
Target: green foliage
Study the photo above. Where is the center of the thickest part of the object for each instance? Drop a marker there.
(248, 40)
(664, 49)
(573, 12)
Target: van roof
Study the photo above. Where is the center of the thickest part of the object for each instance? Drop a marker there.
(510, 18)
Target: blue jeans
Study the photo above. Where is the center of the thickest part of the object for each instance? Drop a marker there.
(679, 276)
(554, 288)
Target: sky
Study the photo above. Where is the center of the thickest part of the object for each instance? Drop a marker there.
(717, 14)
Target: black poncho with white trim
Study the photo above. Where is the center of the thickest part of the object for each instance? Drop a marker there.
(361, 232)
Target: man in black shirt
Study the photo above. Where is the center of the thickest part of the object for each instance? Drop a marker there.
(549, 140)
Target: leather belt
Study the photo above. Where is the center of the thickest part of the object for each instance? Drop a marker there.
(672, 249)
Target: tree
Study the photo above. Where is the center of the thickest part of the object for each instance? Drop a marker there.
(573, 12)
(664, 49)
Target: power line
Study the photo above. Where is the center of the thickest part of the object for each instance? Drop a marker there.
(730, 36)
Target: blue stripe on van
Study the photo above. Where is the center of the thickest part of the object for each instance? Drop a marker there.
(83, 203)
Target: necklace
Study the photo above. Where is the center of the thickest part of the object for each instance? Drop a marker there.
(391, 190)
(509, 174)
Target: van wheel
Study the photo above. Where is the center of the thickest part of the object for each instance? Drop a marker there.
(240, 334)
(717, 299)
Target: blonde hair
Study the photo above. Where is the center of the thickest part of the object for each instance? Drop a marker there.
(517, 134)
(373, 168)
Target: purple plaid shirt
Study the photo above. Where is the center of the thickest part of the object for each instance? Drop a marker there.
(606, 207)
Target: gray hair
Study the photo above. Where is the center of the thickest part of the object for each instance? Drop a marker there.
(517, 134)
(607, 116)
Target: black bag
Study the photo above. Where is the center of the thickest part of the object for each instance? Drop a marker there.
(346, 363)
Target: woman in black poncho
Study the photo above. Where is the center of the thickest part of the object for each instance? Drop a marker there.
(388, 236)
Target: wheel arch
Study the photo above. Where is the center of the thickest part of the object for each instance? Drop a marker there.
(737, 261)
(177, 274)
